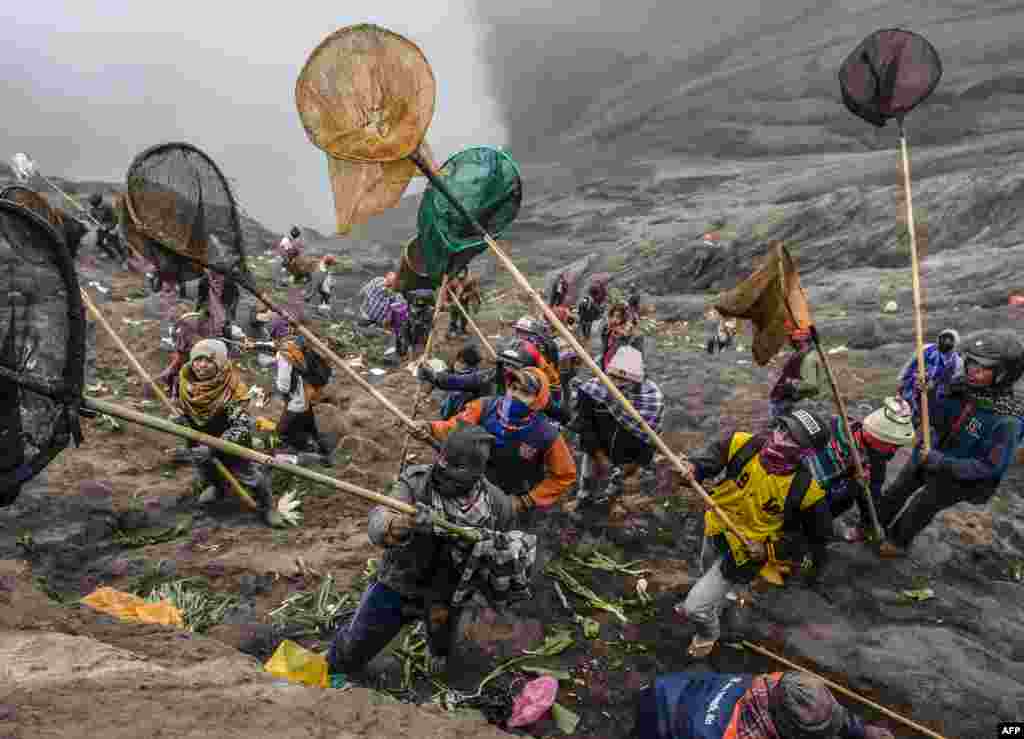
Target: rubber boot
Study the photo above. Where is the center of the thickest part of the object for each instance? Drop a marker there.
(265, 498)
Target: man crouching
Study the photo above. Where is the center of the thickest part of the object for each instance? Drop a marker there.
(426, 575)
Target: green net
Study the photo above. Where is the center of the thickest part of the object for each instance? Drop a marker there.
(486, 182)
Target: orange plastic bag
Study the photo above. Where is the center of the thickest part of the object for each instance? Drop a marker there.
(299, 665)
(128, 607)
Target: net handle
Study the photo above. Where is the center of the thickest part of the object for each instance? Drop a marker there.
(581, 352)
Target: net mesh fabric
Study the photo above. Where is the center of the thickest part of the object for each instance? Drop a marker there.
(487, 183)
(366, 94)
(35, 202)
(179, 211)
(888, 74)
(42, 341)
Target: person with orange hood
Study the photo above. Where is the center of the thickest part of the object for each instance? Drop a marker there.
(530, 460)
(802, 374)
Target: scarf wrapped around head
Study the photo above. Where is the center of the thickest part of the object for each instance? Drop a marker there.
(204, 399)
(782, 456)
(803, 708)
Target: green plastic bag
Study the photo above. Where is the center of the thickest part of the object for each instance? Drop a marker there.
(487, 182)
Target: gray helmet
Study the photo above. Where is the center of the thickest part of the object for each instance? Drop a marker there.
(999, 349)
(808, 429)
(514, 353)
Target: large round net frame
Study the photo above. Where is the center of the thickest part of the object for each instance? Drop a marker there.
(42, 365)
(180, 210)
(42, 348)
(344, 116)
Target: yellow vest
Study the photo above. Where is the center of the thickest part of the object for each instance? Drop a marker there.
(755, 502)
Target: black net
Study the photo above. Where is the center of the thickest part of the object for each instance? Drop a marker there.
(42, 348)
(486, 182)
(35, 202)
(889, 74)
(180, 213)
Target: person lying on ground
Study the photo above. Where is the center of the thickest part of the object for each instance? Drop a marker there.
(976, 431)
(774, 705)
(943, 365)
(609, 436)
(214, 400)
(878, 437)
(802, 375)
(427, 576)
(772, 498)
(531, 461)
(300, 380)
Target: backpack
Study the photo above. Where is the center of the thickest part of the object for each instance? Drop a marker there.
(318, 372)
(793, 544)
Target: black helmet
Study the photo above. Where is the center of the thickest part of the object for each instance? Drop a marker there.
(808, 429)
(295, 232)
(95, 199)
(463, 460)
(1001, 350)
(470, 355)
(515, 353)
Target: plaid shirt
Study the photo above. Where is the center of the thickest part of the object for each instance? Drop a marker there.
(648, 400)
(753, 721)
(376, 300)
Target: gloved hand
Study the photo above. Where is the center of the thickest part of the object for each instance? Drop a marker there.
(425, 373)
(933, 460)
(877, 732)
(522, 503)
(202, 453)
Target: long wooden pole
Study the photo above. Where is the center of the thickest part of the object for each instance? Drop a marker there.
(836, 395)
(324, 350)
(580, 351)
(233, 483)
(159, 424)
(476, 329)
(428, 347)
(922, 376)
(845, 691)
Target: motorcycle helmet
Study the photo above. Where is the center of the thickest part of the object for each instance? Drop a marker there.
(1001, 350)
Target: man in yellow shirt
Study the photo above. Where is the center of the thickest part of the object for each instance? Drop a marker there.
(772, 498)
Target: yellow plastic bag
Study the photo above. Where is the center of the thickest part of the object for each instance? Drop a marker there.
(128, 607)
(299, 665)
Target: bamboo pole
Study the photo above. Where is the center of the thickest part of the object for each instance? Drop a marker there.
(236, 487)
(312, 338)
(159, 424)
(858, 463)
(428, 347)
(846, 691)
(476, 329)
(583, 354)
(922, 377)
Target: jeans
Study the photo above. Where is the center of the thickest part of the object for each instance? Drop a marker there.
(934, 493)
(703, 604)
(382, 613)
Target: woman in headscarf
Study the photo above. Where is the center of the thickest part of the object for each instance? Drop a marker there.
(297, 427)
(776, 705)
(214, 400)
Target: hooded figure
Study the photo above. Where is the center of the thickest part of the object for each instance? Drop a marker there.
(214, 400)
(943, 366)
(610, 436)
(297, 426)
(424, 575)
(776, 705)
(877, 437)
(772, 498)
(530, 460)
(802, 375)
(976, 430)
(187, 330)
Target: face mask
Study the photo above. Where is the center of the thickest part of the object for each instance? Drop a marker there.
(454, 481)
(781, 454)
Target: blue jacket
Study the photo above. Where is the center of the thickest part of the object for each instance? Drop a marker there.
(463, 386)
(984, 446)
(703, 705)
